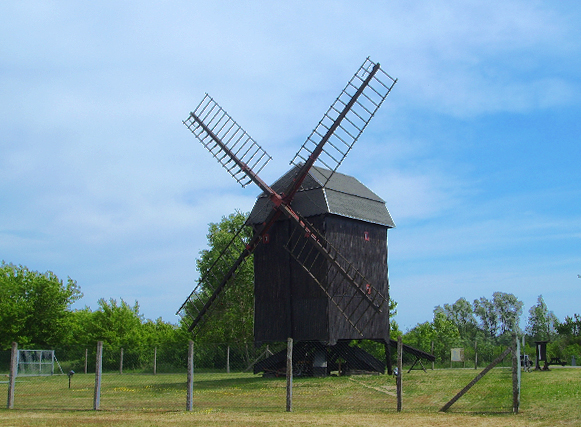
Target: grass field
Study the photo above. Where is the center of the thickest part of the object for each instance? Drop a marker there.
(547, 399)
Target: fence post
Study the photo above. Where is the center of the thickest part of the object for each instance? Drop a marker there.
(475, 354)
(289, 375)
(13, 372)
(155, 361)
(98, 372)
(121, 362)
(433, 361)
(86, 359)
(516, 375)
(228, 359)
(398, 378)
(190, 380)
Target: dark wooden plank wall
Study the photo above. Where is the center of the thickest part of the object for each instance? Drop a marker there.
(288, 302)
(370, 258)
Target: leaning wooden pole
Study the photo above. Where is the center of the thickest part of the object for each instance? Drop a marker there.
(475, 380)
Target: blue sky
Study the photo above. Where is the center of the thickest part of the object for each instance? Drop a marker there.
(476, 150)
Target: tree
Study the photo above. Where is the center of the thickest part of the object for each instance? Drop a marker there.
(462, 315)
(571, 326)
(232, 316)
(509, 310)
(542, 323)
(500, 315)
(484, 309)
(34, 307)
(441, 331)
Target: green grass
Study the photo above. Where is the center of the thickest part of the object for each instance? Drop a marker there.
(547, 398)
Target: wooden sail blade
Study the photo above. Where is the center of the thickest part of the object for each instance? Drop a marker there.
(213, 281)
(234, 149)
(352, 294)
(346, 119)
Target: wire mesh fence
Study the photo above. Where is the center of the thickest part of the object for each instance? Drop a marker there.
(350, 377)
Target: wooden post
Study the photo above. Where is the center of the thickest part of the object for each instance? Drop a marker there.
(98, 372)
(228, 360)
(398, 378)
(86, 359)
(121, 361)
(516, 375)
(190, 380)
(155, 361)
(289, 375)
(12, 376)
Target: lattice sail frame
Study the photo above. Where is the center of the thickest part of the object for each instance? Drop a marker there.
(354, 122)
(342, 282)
(223, 137)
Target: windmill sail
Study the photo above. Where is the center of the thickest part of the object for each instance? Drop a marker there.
(347, 117)
(342, 282)
(213, 281)
(234, 149)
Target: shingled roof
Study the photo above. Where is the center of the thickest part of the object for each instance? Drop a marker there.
(341, 195)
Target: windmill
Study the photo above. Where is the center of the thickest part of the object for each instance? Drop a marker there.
(326, 272)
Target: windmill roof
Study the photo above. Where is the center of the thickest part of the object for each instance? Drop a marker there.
(341, 195)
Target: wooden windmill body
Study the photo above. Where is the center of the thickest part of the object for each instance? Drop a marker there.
(288, 302)
(320, 237)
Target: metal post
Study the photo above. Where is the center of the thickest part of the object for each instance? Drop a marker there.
(121, 362)
(98, 372)
(289, 375)
(432, 355)
(154, 360)
(475, 354)
(86, 359)
(12, 376)
(190, 380)
(398, 378)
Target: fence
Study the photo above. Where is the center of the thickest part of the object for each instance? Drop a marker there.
(346, 377)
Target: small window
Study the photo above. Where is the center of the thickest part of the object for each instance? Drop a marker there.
(366, 235)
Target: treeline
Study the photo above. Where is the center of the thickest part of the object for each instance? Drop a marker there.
(487, 324)
(35, 312)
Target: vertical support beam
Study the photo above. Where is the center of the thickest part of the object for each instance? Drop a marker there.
(121, 362)
(398, 378)
(387, 347)
(98, 373)
(13, 373)
(155, 361)
(516, 372)
(86, 359)
(289, 375)
(190, 380)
